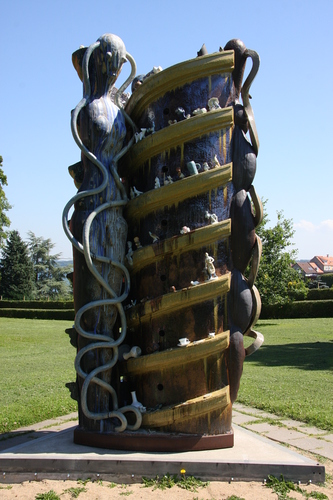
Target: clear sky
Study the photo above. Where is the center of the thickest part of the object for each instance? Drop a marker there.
(291, 97)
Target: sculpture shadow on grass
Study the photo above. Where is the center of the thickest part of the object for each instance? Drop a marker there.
(307, 356)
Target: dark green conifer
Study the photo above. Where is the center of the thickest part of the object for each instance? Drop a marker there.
(16, 269)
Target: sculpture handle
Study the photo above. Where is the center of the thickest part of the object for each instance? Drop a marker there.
(246, 98)
(259, 339)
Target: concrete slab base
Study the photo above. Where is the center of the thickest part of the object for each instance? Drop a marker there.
(54, 455)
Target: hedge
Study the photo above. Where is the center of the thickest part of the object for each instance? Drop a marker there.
(320, 294)
(303, 309)
(312, 294)
(65, 310)
(36, 304)
(61, 314)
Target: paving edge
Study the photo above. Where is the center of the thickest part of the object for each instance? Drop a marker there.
(14, 470)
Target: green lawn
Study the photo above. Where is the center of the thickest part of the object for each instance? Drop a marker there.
(36, 361)
(292, 373)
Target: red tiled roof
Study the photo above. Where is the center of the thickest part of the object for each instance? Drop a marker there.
(315, 267)
(325, 260)
(309, 268)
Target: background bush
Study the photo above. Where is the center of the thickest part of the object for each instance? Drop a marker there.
(327, 278)
(303, 309)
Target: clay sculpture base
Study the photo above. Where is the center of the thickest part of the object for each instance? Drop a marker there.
(155, 441)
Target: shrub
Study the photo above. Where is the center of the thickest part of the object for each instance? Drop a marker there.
(320, 294)
(303, 309)
(328, 279)
(298, 294)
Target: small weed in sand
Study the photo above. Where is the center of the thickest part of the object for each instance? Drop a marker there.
(161, 483)
(317, 495)
(281, 487)
(235, 497)
(74, 492)
(49, 495)
(167, 481)
(190, 483)
(84, 481)
(127, 492)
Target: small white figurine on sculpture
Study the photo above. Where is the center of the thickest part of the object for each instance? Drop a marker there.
(209, 266)
(134, 193)
(168, 180)
(135, 352)
(212, 217)
(140, 135)
(213, 103)
(181, 113)
(180, 174)
(151, 130)
(129, 255)
(216, 162)
(154, 236)
(136, 403)
(199, 111)
(137, 242)
(132, 304)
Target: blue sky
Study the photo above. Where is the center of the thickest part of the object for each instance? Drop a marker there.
(291, 97)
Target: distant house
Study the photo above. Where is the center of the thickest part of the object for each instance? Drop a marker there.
(308, 269)
(324, 263)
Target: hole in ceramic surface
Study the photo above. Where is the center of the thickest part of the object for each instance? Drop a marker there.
(160, 387)
(161, 333)
(164, 222)
(163, 277)
(165, 169)
(166, 111)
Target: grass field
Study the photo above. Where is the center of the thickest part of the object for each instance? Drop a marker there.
(36, 361)
(291, 374)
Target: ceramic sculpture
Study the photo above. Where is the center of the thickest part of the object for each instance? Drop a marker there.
(163, 231)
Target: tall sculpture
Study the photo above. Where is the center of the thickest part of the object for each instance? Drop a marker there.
(98, 232)
(162, 232)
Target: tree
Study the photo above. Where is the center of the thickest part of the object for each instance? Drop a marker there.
(4, 206)
(276, 279)
(16, 269)
(49, 277)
